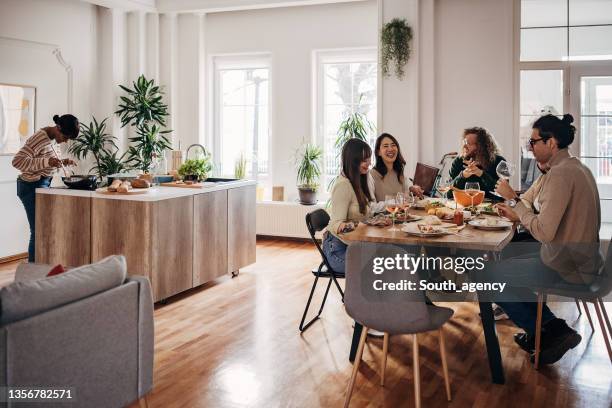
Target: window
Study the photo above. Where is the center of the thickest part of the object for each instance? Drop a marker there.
(566, 30)
(346, 84)
(241, 111)
(566, 66)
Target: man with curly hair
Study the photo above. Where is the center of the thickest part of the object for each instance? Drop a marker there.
(477, 163)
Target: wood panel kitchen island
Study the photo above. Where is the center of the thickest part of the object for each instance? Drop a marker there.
(178, 237)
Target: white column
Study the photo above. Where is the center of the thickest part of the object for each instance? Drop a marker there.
(427, 81)
(137, 44)
(152, 45)
(398, 104)
(203, 137)
(168, 71)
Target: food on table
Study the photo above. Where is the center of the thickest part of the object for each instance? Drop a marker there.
(427, 229)
(379, 220)
(491, 222)
(444, 213)
(431, 220)
(433, 204)
(124, 187)
(114, 185)
(140, 183)
(487, 208)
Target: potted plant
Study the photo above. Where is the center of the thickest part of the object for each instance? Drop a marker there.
(395, 39)
(240, 167)
(95, 142)
(308, 173)
(354, 125)
(196, 169)
(144, 109)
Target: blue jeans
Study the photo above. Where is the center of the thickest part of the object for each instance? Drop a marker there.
(522, 272)
(335, 252)
(26, 191)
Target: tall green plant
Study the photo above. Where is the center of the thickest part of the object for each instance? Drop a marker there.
(112, 163)
(144, 109)
(355, 125)
(309, 167)
(93, 141)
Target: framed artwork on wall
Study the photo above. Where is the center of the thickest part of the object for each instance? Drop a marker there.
(17, 114)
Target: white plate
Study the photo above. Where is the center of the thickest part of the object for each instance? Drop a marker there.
(481, 224)
(413, 229)
(412, 219)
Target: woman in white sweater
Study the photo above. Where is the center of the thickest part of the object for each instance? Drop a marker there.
(350, 200)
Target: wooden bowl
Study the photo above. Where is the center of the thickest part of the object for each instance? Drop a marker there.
(462, 198)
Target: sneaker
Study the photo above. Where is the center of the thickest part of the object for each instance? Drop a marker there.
(525, 341)
(558, 340)
(499, 314)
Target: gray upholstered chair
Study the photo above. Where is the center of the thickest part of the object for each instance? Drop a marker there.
(90, 329)
(392, 312)
(594, 293)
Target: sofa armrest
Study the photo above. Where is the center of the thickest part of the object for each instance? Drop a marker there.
(31, 271)
(145, 334)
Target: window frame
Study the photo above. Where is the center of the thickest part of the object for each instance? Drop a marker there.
(240, 61)
(321, 57)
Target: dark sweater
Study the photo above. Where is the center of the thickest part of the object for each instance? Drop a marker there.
(487, 181)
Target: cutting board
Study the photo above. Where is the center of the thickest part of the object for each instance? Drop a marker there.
(182, 185)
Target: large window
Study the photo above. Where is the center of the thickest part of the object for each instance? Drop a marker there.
(346, 85)
(566, 30)
(241, 108)
(566, 66)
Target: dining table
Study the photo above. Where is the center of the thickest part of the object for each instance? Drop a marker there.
(491, 242)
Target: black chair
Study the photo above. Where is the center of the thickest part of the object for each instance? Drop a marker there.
(317, 221)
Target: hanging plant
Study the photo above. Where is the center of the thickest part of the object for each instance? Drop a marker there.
(395, 46)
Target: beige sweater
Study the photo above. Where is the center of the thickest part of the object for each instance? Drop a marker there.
(387, 185)
(33, 158)
(569, 219)
(344, 206)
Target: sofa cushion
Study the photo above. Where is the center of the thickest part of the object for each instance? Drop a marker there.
(23, 299)
(56, 270)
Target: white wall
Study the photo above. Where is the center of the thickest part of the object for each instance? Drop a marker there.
(474, 76)
(71, 25)
(290, 35)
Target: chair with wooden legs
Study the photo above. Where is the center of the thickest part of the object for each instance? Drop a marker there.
(317, 221)
(593, 293)
(391, 312)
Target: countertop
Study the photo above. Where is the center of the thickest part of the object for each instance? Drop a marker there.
(156, 193)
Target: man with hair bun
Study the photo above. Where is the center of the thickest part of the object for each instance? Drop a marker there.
(564, 215)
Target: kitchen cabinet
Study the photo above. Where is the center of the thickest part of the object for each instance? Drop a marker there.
(210, 227)
(241, 234)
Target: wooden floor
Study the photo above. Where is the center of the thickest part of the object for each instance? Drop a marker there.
(235, 343)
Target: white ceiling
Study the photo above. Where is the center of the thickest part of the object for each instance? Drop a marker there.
(205, 6)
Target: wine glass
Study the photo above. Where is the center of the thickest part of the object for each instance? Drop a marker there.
(505, 170)
(444, 186)
(472, 189)
(392, 206)
(406, 201)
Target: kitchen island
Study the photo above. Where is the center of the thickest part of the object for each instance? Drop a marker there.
(179, 238)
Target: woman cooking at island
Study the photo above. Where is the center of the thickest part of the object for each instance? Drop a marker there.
(37, 160)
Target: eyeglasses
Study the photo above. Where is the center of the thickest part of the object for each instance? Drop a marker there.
(532, 142)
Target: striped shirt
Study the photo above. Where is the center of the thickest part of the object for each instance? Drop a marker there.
(33, 158)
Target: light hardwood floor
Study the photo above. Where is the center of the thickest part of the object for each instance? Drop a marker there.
(235, 343)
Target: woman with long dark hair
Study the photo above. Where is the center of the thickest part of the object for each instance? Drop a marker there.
(350, 200)
(37, 160)
(388, 172)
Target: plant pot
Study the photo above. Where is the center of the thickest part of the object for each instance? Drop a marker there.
(191, 177)
(308, 196)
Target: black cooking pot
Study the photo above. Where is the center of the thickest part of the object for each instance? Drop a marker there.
(81, 182)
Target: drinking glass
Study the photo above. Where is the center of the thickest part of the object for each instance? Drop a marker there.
(392, 206)
(406, 200)
(444, 185)
(472, 189)
(505, 170)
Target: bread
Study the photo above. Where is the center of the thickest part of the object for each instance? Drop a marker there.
(140, 183)
(431, 220)
(444, 213)
(114, 185)
(124, 187)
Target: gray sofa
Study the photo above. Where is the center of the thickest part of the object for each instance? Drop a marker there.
(89, 329)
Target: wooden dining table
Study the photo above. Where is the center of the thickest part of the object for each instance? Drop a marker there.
(469, 238)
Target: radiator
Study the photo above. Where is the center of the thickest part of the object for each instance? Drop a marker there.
(284, 219)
